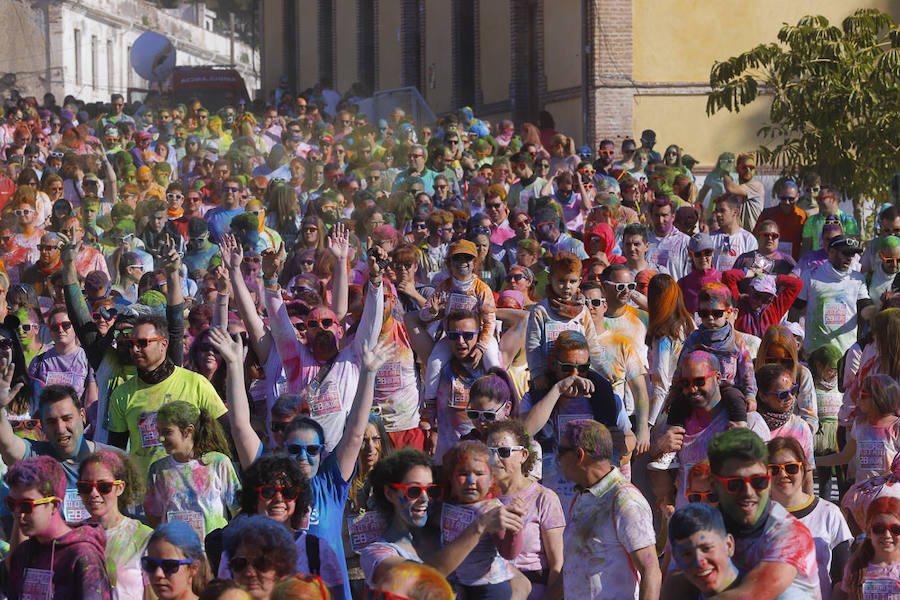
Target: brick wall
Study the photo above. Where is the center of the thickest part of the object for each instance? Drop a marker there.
(611, 59)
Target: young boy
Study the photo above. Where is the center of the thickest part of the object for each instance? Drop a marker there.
(56, 561)
(702, 548)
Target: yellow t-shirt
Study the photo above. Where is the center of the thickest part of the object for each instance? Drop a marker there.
(134, 405)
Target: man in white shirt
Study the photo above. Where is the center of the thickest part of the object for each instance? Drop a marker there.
(668, 245)
(731, 240)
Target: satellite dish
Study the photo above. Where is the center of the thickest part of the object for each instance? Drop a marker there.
(153, 56)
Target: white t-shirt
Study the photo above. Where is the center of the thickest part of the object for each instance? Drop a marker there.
(670, 252)
(728, 247)
(831, 298)
(829, 529)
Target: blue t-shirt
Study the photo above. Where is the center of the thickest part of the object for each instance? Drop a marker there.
(326, 512)
(219, 221)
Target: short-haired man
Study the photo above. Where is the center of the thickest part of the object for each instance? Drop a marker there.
(219, 218)
(56, 561)
(828, 200)
(528, 186)
(621, 316)
(751, 192)
(134, 404)
(788, 216)
(731, 240)
(497, 210)
(549, 229)
(888, 225)
(702, 548)
(433, 250)
(635, 246)
(668, 245)
(48, 263)
(881, 279)
(774, 551)
(834, 296)
(611, 510)
(62, 420)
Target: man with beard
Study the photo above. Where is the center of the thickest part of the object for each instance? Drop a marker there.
(773, 550)
(668, 245)
(63, 420)
(698, 388)
(321, 370)
(107, 353)
(604, 161)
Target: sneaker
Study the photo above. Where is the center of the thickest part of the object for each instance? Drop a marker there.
(667, 461)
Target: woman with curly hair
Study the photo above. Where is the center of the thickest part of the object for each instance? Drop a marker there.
(262, 553)
(512, 461)
(108, 483)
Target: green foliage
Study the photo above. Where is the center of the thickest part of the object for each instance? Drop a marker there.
(835, 95)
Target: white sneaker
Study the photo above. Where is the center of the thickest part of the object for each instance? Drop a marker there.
(667, 461)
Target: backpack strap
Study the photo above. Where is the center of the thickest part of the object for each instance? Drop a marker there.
(312, 554)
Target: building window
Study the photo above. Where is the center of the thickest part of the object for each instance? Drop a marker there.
(368, 52)
(412, 39)
(326, 42)
(110, 70)
(77, 57)
(464, 52)
(94, 61)
(130, 69)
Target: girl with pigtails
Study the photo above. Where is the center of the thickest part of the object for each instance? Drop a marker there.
(196, 482)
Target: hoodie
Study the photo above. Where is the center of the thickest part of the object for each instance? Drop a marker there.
(78, 564)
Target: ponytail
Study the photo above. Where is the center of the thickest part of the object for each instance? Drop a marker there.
(208, 434)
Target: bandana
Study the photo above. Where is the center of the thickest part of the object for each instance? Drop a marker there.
(158, 374)
(772, 418)
(175, 213)
(567, 309)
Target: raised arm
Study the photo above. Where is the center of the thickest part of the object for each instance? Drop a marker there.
(766, 581)
(339, 245)
(12, 447)
(245, 439)
(280, 324)
(92, 341)
(223, 292)
(373, 310)
(174, 299)
(260, 337)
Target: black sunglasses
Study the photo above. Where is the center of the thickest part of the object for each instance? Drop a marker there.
(454, 336)
(716, 314)
(572, 367)
(239, 564)
(309, 450)
(168, 565)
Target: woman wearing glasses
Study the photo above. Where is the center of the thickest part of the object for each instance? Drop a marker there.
(108, 484)
(788, 469)
(778, 346)
(875, 566)
(513, 460)
(405, 494)
(175, 563)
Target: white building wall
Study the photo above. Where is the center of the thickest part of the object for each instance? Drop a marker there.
(121, 22)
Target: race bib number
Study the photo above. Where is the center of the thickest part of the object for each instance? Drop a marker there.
(459, 395)
(829, 404)
(57, 378)
(326, 401)
(461, 302)
(73, 508)
(147, 427)
(388, 377)
(365, 529)
(554, 328)
(834, 314)
(881, 589)
(38, 584)
(191, 517)
(454, 519)
(872, 455)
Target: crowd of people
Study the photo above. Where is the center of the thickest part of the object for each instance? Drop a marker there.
(288, 352)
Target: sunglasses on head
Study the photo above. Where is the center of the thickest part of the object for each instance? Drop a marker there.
(783, 396)
(169, 566)
(307, 449)
(791, 468)
(26, 507)
(734, 485)
(698, 382)
(314, 323)
(705, 497)
(25, 424)
(105, 313)
(414, 492)
(879, 529)
(267, 492)
(468, 336)
(621, 287)
(103, 487)
(706, 313)
(504, 451)
(581, 368)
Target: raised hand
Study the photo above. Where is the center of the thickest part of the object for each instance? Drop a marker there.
(437, 301)
(7, 390)
(223, 283)
(169, 255)
(374, 358)
(339, 242)
(232, 253)
(574, 386)
(231, 350)
(68, 250)
(271, 262)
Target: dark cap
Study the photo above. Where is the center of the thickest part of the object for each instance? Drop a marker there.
(648, 136)
(846, 244)
(197, 227)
